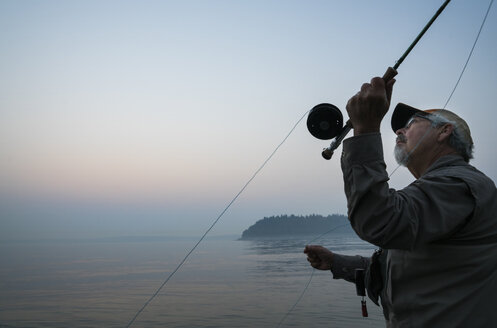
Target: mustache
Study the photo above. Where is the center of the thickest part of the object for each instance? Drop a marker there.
(401, 138)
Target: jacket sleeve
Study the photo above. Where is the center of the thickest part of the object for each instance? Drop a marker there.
(430, 209)
(344, 266)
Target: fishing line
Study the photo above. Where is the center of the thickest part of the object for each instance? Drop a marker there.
(454, 89)
(470, 53)
(298, 300)
(444, 107)
(310, 278)
(214, 223)
(263, 165)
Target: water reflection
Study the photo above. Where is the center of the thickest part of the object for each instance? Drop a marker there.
(225, 283)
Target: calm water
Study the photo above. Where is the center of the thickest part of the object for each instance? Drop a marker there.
(224, 283)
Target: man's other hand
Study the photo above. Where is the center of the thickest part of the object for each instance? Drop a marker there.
(319, 257)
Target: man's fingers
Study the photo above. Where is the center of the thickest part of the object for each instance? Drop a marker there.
(365, 87)
(318, 256)
(307, 249)
(377, 82)
(312, 257)
(389, 89)
(311, 248)
(352, 101)
(315, 264)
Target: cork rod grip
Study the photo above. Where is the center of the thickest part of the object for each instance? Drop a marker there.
(389, 74)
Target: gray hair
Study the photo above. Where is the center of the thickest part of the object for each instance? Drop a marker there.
(456, 140)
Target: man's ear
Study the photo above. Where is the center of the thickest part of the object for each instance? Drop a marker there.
(445, 132)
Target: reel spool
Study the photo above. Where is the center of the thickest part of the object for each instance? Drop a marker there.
(325, 121)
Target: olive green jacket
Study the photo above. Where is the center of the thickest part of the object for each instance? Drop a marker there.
(440, 232)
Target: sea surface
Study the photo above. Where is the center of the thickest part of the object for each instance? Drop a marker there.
(224, 283)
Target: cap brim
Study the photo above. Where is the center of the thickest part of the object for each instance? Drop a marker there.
(401, 114)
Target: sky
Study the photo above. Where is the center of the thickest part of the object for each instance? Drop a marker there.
(148, 117)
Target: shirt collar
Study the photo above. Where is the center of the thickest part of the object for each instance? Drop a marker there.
(447, 160)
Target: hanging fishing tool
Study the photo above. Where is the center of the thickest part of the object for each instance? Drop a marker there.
(325, 121)
(360, 287)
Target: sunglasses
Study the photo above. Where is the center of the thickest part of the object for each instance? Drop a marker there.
(414, 118)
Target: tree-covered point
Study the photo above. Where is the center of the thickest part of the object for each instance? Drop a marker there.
(290, 225)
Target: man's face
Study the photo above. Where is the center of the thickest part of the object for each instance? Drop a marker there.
(413, 139)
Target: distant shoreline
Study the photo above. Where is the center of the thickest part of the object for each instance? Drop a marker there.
(291, 226)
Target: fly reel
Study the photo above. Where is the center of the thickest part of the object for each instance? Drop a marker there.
(325, 121)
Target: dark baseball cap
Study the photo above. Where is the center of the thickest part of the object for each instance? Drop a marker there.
(402, 113)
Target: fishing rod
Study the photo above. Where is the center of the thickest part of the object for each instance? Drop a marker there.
(325, 121)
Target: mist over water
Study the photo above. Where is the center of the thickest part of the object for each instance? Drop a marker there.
(224, 283)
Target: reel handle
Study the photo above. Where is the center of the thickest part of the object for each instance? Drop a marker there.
(328, 152)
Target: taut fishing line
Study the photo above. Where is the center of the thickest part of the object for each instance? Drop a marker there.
(454, 89)
(418, 143)
(277, 148)
(471, 52)
(215, 221)
(310, 278)
(297, 301)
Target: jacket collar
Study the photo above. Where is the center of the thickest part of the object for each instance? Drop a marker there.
(447, 160)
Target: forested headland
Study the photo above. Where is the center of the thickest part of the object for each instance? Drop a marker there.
(293, 225)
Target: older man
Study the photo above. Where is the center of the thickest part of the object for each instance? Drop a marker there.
(438, 264)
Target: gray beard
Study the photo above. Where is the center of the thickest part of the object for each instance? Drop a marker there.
(401, 156)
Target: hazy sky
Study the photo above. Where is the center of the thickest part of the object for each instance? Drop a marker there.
(147, 117)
